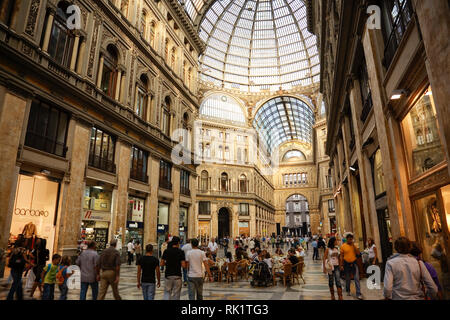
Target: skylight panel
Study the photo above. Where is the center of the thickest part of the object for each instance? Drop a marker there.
(247, 40)
(281, 12)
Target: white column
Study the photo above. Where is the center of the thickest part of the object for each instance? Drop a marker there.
(118, 85)
(100, 71)
(48, 30)
(81, 56)
(75, 53)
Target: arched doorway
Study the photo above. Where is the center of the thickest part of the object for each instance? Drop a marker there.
(224, 223)
(297, 216)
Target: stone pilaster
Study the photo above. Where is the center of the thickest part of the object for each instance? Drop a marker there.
(123, 156)
(174, 215)
(70, 222)
(12, 114)
(151, 218)
(378, 96)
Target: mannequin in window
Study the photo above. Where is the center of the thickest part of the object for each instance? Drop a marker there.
(29, 233)
(29, 230)
(433, 215)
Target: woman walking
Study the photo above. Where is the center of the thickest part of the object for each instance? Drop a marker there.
(331, 266)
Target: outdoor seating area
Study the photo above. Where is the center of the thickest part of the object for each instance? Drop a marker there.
(282, 270)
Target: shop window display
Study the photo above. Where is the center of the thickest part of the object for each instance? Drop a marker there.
(183, 224)
(431, 231)
(96, 217)
(421, 135)
(34, 211)
(135, 220)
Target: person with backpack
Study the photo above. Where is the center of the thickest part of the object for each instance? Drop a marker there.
(62, 276)
(17, 262)
(48, 277)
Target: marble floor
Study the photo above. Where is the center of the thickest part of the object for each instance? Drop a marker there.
(316, 288)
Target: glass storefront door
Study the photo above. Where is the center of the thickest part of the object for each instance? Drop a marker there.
(135, 220)
(34, 211)
(183, 224)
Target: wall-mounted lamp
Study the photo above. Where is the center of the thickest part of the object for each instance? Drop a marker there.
(398, 94)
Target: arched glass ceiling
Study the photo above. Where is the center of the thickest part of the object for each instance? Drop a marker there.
(222, 107)
(283, 119)
(294, 155)
(258, 45)
(193, 7)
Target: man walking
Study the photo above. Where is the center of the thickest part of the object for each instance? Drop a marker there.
(109, 264)
(173, 259)
(195, 258)
(186, 248)
(130, 250)
(147, 266)
(88, 263)
(315, 246)
(348, 264)
(212, 246)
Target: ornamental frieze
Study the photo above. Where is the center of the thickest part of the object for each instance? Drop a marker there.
(32, 17)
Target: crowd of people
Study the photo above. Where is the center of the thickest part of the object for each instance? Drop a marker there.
(406, 275)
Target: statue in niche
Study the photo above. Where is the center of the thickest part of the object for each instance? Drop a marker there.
(434, 217)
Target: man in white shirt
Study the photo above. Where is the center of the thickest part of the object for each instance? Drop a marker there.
(130, 250)
(195, 258)
(213, 247)
(186, 248)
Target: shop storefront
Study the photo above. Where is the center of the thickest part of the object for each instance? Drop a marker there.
(35, 209)
(204, 229)
(244, 228)
(96, 216)
(183, 224)
(163, 224)
(429, 184)
(135, 220)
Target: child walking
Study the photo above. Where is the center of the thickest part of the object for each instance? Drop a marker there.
(49, 278)
(62, 276)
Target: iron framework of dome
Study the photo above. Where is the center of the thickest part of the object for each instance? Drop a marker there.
(283, 119)
(256, 45)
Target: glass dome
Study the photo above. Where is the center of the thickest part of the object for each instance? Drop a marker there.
(283, 119)
(257, 45)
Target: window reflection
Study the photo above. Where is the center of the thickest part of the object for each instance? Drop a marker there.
(421, 135)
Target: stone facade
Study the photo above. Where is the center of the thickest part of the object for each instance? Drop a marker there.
(378, 142)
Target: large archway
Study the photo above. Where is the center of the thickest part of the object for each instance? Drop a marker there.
(224, 223)
(297, 216)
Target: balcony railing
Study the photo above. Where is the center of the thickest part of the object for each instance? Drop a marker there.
(139, 176)
(400, 25)
(185, 191)
(368, 105)
(101, 163)
(45, 144)
(165, 184)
